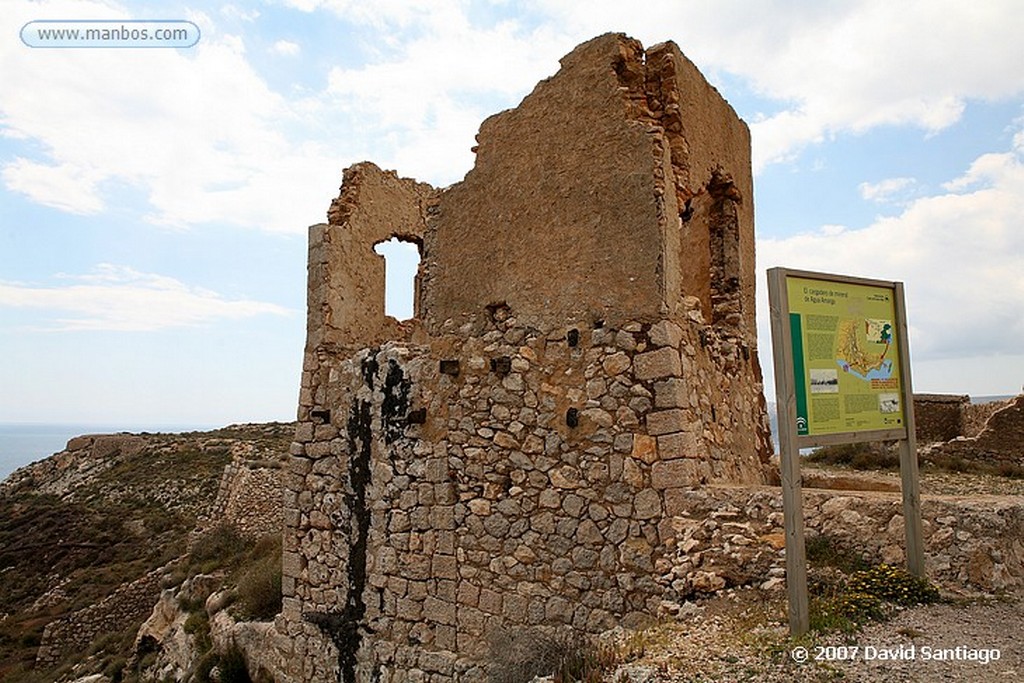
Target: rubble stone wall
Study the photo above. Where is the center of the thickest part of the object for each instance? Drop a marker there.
(999, 441)
(249, 497)
(734, 536)
(510, 480)
(976, 416)
(120, 612)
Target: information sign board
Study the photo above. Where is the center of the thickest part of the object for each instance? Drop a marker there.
(846, 359)
(842, 375)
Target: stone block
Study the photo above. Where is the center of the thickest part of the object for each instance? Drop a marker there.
(647, 504)
(444, 567)
(645, 448)
(291, 564)
(663, 362)
(304, 432)
(673, 392)
(679, 445)
(678, 502)
(666, 421)
(665, 333)
(667, 474)
(439, 611)
(490, 601)
(616, 364)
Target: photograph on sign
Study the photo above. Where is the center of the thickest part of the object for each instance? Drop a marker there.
(846, 357)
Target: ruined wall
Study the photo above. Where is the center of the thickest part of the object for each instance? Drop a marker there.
(618, 186)
(346, 277)
(511, 480)
(735, 536)
(1000, 442)
(939, 417)
(583, 353)
(713, 182)
(120, 612)
(249, 497)
(976, 416)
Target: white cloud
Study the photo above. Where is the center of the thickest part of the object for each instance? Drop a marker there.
(122, 299)
(832, 67)
(960, 254)
(197, 131)
(425, 101)
(236, 12)
(69, 187)
(885, 190)
(286, 48)
(203, 137)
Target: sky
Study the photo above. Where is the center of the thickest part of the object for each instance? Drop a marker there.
(154, 203)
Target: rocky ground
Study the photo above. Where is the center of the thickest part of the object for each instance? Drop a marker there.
(743, 635)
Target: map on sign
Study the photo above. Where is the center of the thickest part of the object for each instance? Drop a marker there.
(845, 355)
(862, 347)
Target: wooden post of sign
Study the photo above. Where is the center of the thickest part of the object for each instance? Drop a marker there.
(789, 460)
(909, 481)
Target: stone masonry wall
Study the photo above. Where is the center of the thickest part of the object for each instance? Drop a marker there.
(583, 352)
(976, 416)
(1000, 441)
(249, 497)
(121, 611)
(512, 480)
(939, 417)
(618, 187)
(729, 536)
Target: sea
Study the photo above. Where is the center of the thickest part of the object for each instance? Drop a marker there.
(23, 443)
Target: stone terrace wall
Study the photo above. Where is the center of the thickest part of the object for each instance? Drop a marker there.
(515, 479)
(735, 536)
(121, 611)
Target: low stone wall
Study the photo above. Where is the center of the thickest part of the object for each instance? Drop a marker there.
(735, 536)
(121, 611)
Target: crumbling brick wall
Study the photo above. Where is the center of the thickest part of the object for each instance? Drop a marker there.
(583, 352)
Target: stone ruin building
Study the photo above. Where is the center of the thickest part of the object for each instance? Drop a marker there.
(991, 434)
(583, 352)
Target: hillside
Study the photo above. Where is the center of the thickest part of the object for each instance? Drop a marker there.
(108, 513)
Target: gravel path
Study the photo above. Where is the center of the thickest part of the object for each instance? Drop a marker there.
(742, 637)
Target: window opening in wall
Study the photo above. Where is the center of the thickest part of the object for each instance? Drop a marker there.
(401, 263)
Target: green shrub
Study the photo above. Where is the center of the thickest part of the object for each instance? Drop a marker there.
(233, 668)
(825, 551)
(859, 456)
(844, 606)
(218, 548)
(520, 656)
(844, 612)
(259, 589)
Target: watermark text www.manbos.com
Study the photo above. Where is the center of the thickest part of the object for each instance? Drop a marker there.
(923, 653)
(100, 33)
